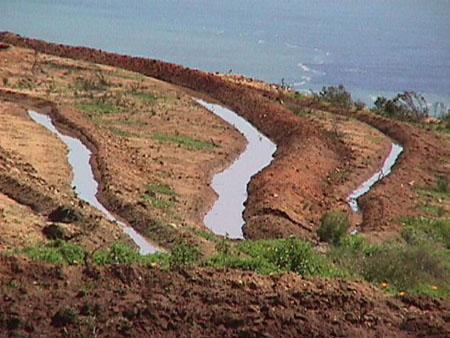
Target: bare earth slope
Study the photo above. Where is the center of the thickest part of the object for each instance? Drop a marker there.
(130, 301)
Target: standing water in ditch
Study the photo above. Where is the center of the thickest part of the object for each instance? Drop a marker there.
(225, 218)
(395, 152)
(83, 179)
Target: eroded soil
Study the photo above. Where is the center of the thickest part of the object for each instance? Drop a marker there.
(45, 301)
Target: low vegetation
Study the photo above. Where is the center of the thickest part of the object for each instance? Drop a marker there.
(57, 252)
(98, 107)
(333, 228)
(413, 107)
(335, 95)
(184, 141)
(160, 196)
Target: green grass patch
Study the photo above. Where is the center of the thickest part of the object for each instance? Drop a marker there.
(159, 188)
(408, 267)
(120, 132)
(184, 141)
(422, 229)
(442, 186)
(208, 235)
(57, 252)
(434, 210)
(97, 83)
(99, 107)
(127, 75)
(159, 203)
(160, 196)
(417, 266)
(275, 256)
(121, 253)
(183, 255)
(144, 97)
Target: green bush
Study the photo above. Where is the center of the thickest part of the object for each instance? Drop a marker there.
(333, 227)
(336, 95)
(256, 264)
(183, 255)
(408, 106)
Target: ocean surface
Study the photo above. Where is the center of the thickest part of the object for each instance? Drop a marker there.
(373, 47)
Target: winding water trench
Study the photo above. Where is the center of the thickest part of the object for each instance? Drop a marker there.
(84, 181)
(225, 217)
(365, 187)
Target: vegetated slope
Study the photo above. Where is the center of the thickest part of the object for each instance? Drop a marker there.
(122, 300)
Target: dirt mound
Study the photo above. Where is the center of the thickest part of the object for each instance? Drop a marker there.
(132, 301)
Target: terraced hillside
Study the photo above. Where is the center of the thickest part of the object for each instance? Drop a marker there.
(67, 269)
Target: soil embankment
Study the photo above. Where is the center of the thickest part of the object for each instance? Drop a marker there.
(133, 301)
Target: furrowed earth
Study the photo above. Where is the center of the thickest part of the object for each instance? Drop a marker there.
(155, 152)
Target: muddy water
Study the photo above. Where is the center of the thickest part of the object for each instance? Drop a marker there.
(225, 218)
(84, 182)
(352, 199)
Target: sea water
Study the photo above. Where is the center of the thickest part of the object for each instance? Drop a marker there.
(372, 47)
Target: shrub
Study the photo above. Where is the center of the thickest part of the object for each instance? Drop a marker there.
(183, 255)
(336, 95)
(64, 317)
(359, 105)
(408, 106)
(442, 185)
(333, 227)
(54, 232)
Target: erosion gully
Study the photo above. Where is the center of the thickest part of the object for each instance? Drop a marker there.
(226, 216)
(84, 181)
(364, 188)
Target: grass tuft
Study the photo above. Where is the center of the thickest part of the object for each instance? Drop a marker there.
(184, 141)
